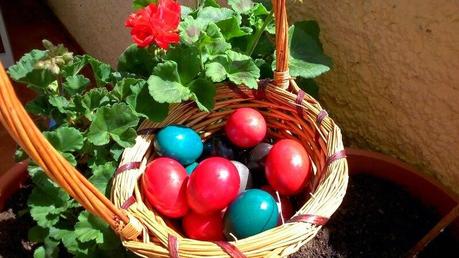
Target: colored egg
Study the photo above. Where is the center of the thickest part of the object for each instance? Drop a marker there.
(180, 143)
(213, 185)
(218, 145)
(253, 212)
(284, 205)
(260, 151)
(164, 186)
(245, 127)
(190, 168)
(204, 227)
(244, 175)
(288, 167)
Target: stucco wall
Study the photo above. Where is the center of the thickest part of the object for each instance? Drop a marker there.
(394, 87)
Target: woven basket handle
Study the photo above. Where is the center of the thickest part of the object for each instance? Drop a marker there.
(281, 74)
(22, 129)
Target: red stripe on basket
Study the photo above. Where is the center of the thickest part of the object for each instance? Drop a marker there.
(309, 218)
(230, 249)
(260, 93)
(127, 166)
(129, 201)
(299, 100)
(147, 131)
(336, 156)
(172, 243)
(321, 116)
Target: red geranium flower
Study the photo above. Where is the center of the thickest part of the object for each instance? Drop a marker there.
(156, 23)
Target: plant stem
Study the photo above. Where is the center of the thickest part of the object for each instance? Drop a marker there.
(254, 42)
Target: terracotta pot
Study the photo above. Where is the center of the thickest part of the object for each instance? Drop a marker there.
(11, 181)
(425, 188)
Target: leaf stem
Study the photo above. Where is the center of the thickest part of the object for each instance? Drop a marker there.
(254, 42)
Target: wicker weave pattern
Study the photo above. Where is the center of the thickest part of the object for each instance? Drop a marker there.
(288, 114)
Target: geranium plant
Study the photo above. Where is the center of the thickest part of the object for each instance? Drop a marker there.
(179, 54)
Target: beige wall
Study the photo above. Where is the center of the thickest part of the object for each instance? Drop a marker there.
(395, 84)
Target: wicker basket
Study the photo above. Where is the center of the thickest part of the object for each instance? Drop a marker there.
(289, 113)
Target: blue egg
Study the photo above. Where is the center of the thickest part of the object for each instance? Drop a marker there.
(189, 169)
(253, 212)
(180, 143)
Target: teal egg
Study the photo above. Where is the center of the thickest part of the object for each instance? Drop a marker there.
(189, 169)
(253, 212)
(180, 143)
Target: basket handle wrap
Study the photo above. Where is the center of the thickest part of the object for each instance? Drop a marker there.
(281, 74)
(22, 129)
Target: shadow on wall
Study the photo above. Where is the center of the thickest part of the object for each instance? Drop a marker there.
(394, 85)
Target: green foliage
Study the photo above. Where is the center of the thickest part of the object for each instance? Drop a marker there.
(306, 54)
(97, 111)
(137, 4)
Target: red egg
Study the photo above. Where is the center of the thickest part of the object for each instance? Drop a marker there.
(213, 184)
(245, 127)
(164, 186)
(284, 204)
(204, 227)
(288, 167)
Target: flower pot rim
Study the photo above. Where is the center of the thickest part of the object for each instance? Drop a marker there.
(11, 181)
(391, 161)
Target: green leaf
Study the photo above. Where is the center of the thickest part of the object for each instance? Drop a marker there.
(116, 122)
(211, 3)
(90, 228)
(24, 71)
(185, 11)
(216, 71)
(94, 99)
(39, 106)
(214, 14)
(70, 158)
(137, 60)
(37, 234)
(116, 152)
(75, 66)
(101, 175)
(304, 69)
(138, 4)
(165, 86)
(241, 6)
(212, 43)
(239, 68)
(188, 62)
(122, 88)
(306, 54)
(59, 102)
(39, 252)
(204, 93)
(75, 84)
(70, 241)
(230, 28)
(143, 104)
(102, 71)
(65, 139)
(47, 202)
(190, 30)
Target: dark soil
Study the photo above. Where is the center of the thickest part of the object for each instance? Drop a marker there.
(15, 222)
(378, 219)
